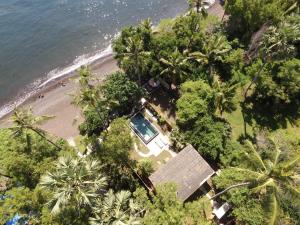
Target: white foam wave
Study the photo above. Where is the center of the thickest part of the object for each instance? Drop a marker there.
(78, 62)
(53, 75)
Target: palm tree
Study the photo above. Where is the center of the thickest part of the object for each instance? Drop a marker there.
(116, 208)
(198, 4)
(176, 66)
(276, 45)
(76, 181)
(224, 95)
(135, 56)
(271, 175)
(90, 97)
(214, 49)
(24, 120)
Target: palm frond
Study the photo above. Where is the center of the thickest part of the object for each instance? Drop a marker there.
(272, 209)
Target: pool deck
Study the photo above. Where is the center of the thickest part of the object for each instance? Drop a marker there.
(158, 148)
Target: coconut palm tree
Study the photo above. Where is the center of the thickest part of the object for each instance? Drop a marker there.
(24, 120)
(214, 49)
(176, 66)
(198, 4)
(116, 208)
(89, 97)
(224, 95)
(276, 44)
(270, 175)
(135, 57)
(75, 181)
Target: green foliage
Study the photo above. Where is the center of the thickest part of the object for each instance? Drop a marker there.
(120, 89)
(145, 167)
(276, 95)
(224, 96)
(280, 82)
(196, 100)
(19, 201)
(114, 153)
(209, 136)
(74, 182)
(25, 157)
(95, 120)
(166, 209)
(117, 143)
(131, 50)
(272, 179)
(119, 208)
(188, 31)
(247, 17)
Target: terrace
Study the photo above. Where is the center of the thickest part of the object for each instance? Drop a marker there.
(151, 141)
(152, 125)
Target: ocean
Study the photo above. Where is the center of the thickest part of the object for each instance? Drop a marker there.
(44, 39)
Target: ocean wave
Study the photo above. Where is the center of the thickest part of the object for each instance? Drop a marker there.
(53, 75)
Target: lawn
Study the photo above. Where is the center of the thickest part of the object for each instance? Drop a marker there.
(290, 133)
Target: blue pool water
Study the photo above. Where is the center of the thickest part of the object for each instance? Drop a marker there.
(143, 128)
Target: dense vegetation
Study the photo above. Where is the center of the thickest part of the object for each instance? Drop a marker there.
(236, 87)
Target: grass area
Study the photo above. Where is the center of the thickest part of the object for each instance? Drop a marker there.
(290, 134)
(235, 118)
(236, 121)
(157, 160)
(141, 146)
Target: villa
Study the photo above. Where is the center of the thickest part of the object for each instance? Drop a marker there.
(188, 170)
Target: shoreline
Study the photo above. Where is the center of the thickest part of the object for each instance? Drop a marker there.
(56, 100)
(52, 79)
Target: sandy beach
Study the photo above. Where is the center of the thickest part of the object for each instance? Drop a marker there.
(57, 98)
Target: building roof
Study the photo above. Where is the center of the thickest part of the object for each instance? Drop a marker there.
(188, 170)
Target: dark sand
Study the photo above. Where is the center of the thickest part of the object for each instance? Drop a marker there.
(57, 100)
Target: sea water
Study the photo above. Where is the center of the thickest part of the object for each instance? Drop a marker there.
(44, 39)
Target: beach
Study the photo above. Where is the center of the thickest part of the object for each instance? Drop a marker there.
(56, 100)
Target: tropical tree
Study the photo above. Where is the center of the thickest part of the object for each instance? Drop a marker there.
(278, 43)
(95, 106)
(176, 66)
(214, 49)
(75, 181)
(24, 121)
(196, 100)
(198, 4)
(116, 208)
(165, 208)
(224, 95)
(246, 17)
(189, 30)
(269, 174)
(119, 88)
(134, 58)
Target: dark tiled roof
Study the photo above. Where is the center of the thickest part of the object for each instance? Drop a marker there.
(188, 170)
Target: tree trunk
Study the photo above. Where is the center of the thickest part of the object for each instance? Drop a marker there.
(138, 74)
(43, 136)
(246, 94)
(229, 188)
(254, 80)
(244, 121)
(198, 6)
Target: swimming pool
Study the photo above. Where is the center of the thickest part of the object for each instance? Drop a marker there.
(143, 128)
